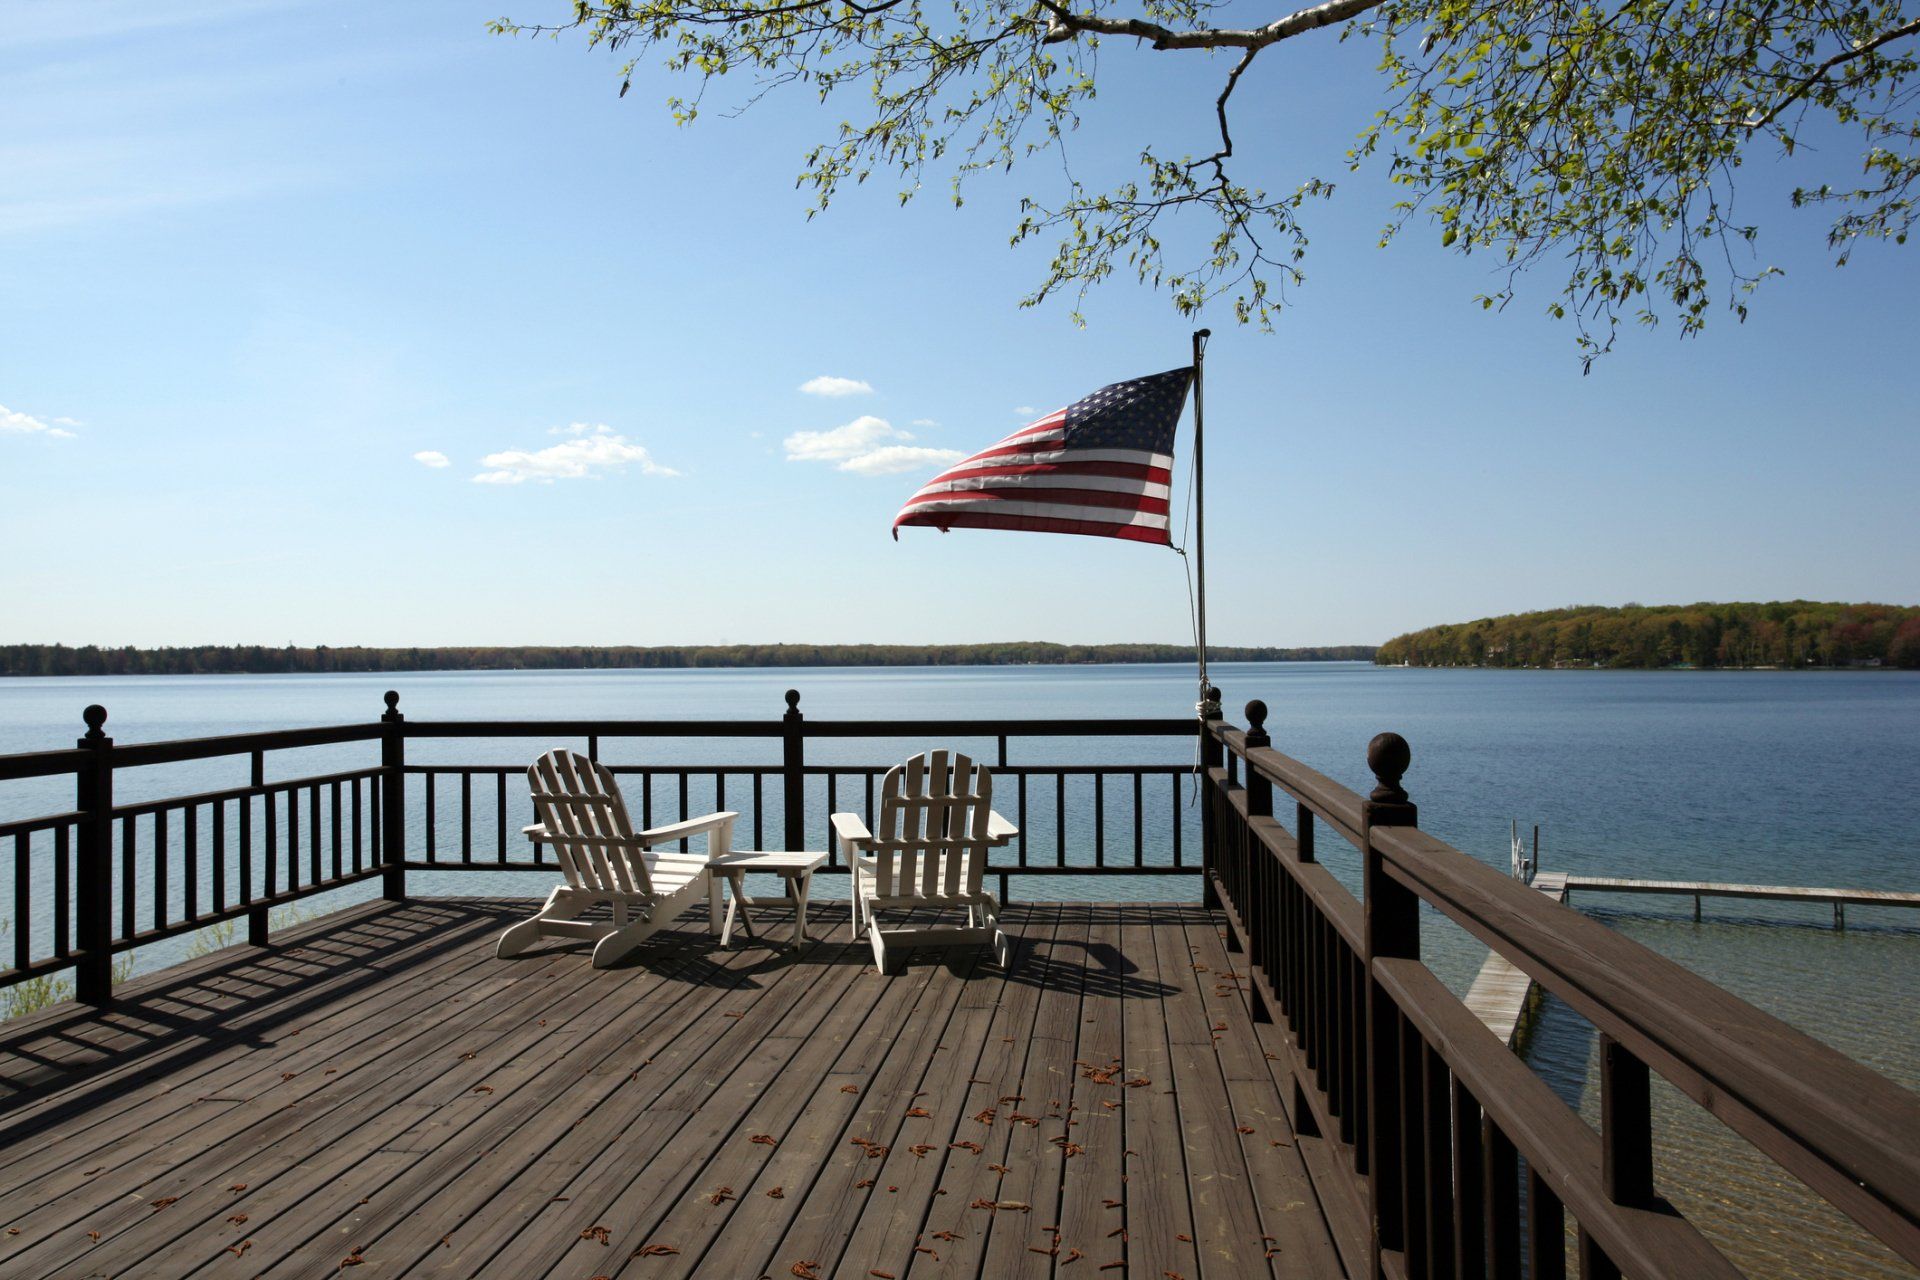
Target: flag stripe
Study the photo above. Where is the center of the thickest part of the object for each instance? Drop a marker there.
(1041, 524)
(1067, 497)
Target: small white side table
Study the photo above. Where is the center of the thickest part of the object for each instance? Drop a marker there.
(795, 868)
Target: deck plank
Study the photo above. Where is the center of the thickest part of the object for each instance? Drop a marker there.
(394, 1097)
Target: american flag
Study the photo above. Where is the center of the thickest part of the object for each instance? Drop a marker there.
(1101, 466)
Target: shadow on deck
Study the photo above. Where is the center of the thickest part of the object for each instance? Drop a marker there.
(378, 1093)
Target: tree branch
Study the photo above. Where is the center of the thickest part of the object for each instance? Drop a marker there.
(1819, 73)
(1067, 24)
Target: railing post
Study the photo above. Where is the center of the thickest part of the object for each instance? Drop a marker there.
(1211, 756)
(393, 798)
(793, 762)
(260, 919)
(93, 850)
(1392, 915)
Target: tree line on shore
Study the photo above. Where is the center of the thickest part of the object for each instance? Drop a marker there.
(1782, 633)
(94, 660)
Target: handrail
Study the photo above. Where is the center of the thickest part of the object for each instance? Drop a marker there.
(1365, 1027)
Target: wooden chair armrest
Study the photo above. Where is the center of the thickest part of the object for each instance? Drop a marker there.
(999, 830)
(851, 832)
(722, 821)
(536, 833)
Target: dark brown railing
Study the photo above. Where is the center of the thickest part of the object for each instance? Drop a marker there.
(1425, 1120)
(123, 876)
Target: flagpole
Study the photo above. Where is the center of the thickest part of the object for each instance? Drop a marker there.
(1200, 337)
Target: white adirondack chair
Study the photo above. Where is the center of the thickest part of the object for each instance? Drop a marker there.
(930, 852)
(607, 863)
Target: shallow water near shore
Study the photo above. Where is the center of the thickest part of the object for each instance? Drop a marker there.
(1758, 777)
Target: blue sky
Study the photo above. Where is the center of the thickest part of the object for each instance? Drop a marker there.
(257, 259)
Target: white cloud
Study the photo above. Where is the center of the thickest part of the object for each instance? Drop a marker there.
(925, 422)
(862, 447)
(857, 437)
(891, 459)
(1027, 411)
(432, 458)
(592, 451)
(13, 422)
(825, 385)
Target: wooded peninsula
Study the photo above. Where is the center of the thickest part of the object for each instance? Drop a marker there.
(92, 660)
(1782, 634)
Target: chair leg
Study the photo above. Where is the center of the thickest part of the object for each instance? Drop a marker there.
(617, 945)
(879, 940)
(519, 937)
(853, 920)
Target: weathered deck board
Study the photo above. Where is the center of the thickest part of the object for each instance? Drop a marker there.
(381, 1090)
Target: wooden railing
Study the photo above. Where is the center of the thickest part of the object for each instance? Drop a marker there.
(113, 876)
(1428, 1120)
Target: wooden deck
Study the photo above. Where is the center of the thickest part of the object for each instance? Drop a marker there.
(379, 1095)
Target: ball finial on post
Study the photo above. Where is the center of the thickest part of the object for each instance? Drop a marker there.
(96, 719)
(1388, 755)
(793, 700)
(1257, 735)
(392, 699)
(1209, 707)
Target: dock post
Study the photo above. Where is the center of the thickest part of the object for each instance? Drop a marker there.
(393, 799)
(1210, 757)
(1392, 925)
(1839, 915)
(93, 886)
(1256, 871)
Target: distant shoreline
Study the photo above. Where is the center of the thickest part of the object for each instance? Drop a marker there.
(91, 660)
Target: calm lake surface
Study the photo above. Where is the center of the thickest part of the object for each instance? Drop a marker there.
(1764, 777)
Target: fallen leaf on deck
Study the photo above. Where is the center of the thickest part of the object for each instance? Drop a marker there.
(974, 1147)
(882, 1275)
(238, 1186)
(849, 1088)
(864, 1182)
(164, 1201)
(237, 1219)
(653, 1251)
(807, 1270)
(483, 1088)
(765, 1139)
(1000, 1168)
(1243, 1128)
(353, 1259)
(237, 1249)
(721, 1196)
(596, 1233)
(920, 1148)
(919, 1111)
(1181, 1235)
(777, 1193)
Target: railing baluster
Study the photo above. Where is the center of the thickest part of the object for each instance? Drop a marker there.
(500, 813)
(1019, 841)
(466, 816)
(316, 872)
(1439, 1166)
(359, 849)
(430, 778)
(1412, 1155)
(22, 900)
(1469, 1187)
(190, 867)
(1099, 819)
(62, 890)
(1179, 818)
(128, 879)
(1502, 1198)
(758, 828)
(219, 856)
(683, 806)
(93, 863)
(339, 844)
(293, 838)
(1392, 915)
(1546, 1231)
(1060, 820)
(1139, 824)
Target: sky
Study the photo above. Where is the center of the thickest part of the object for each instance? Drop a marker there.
(352, 323)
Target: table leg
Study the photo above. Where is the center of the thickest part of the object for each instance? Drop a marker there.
(799, 886)
(726, 933)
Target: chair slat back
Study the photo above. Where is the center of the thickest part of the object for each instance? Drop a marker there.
(578, 802)
(931, 831)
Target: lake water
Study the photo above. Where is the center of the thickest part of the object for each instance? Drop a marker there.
(1767, 777)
